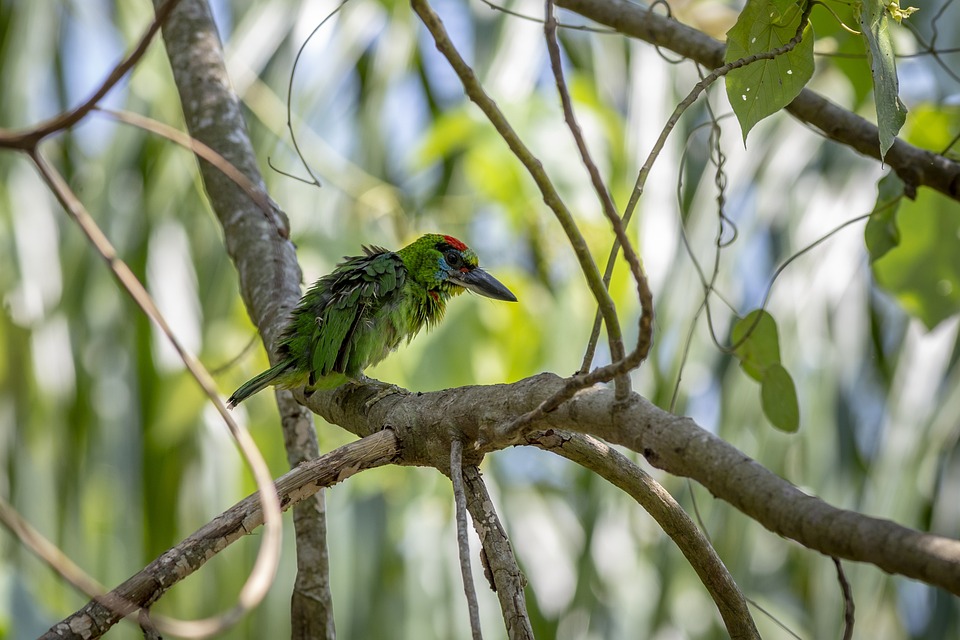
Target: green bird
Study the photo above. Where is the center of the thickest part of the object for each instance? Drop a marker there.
(355, 316)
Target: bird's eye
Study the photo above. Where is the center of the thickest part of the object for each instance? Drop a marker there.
(453, 259)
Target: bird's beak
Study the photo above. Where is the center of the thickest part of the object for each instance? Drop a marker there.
(479, 281)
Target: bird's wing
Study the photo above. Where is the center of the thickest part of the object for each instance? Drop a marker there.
(358, 289)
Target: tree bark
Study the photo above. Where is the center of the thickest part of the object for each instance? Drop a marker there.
(673, 443)
(258, 242)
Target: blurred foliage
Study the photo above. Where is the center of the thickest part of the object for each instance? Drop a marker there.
(108, 449)
(923, 271)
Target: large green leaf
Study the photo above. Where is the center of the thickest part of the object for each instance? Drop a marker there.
(891, 113)
(756, 343)
(882, 233)
(923, 272)
(764, 87)
(778, 397)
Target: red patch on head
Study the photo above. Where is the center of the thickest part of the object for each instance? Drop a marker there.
(435, 296)
(453, 242)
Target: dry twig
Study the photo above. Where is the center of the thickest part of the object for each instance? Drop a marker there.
(463, 542)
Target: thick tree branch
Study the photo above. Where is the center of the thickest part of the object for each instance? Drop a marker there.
(916, 167)
(266, 262)
(672, 443)
(148, 585)
(420, 430)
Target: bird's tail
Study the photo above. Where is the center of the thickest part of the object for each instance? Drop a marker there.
(257, 383)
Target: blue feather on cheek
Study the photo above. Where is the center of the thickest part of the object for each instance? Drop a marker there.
(443, 270)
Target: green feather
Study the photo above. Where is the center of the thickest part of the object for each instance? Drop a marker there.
(257, 383)
(355, 316)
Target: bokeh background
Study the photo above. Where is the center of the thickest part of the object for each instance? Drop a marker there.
(109, 449)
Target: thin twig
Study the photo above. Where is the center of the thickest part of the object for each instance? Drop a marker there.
(148, 626)
(668, 128)
(848, 606)
(185, 140)
(929, 47)
(242, 519)
(463, 541)
(657, 501)
(602, 374)
(645, 337)
(551, 198)
(504, 572)
(268, 556)
(917, 167)
(774, 619)
(777, 273)
(293, 136)
(719, 243)
(28, 139)
(573, 27)
(232, 362)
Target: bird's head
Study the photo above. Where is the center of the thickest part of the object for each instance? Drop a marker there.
(445, 265)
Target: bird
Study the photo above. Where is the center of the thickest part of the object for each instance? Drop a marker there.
(356, 315)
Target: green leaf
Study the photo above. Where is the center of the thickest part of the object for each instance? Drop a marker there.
(891, 113)
(779, 399)
(882, 233)
(757, 343)
(923, 271)
(764, 87)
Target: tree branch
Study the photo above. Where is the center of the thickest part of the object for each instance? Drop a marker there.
(265, 259)
(916, 167)
(849, 616)
(476, 93)
(148, 585)
(499, 562)
(28, 139)
(644, 294)
(624, 474)
(463, 540)
(672, 443)
(419, 428)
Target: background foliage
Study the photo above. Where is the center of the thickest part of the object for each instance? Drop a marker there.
(109, 449)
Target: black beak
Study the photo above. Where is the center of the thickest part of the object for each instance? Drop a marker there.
(479, 281)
